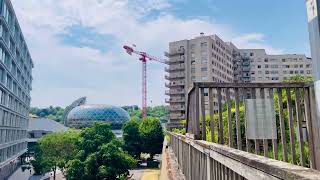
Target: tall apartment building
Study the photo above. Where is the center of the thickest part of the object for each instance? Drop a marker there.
(257, 66)
(15, 86)
(210, 59)
(202, 59)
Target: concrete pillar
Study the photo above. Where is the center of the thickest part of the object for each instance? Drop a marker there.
(313, 10)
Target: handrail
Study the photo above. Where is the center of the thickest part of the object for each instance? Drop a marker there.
(295, 100)
(255, 166)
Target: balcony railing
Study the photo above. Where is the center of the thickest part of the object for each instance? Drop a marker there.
(177, 108)
(173, 84)
(268, 119)
(174, 91)
(175, 100)
(177, 116)
(175, 52)
(175, 68)
(175, 60)
(175, 75)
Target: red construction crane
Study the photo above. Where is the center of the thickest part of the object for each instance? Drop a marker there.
(143, 57)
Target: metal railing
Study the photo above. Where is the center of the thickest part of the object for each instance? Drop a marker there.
(297, 137)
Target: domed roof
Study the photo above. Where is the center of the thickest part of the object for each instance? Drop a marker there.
(105, 113)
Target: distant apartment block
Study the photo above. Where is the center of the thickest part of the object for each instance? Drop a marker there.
(15, 86)
(210, 59)
(257, 66)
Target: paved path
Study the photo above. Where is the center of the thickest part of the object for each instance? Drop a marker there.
(164, 163)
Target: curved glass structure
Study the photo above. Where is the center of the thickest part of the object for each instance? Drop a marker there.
(85, 115)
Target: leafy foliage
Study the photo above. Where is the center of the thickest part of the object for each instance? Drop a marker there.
(100, 155)
(153, 112)
(131, 138)
(53, 113)
(55, 150)
(151, 136)
(299, 78)
(94, 137)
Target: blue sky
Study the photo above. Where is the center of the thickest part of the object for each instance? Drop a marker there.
(77, 44)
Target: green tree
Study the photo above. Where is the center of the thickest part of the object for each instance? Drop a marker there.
(94, 137)
(299, 78)
(57, 149)
(75, 170)
(109, 162)
(131, 138)
(151, 136)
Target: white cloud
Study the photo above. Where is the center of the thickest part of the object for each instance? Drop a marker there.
(64, 72)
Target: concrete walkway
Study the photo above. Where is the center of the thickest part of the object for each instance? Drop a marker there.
(164, 164)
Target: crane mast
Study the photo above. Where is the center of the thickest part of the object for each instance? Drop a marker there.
(143, 57)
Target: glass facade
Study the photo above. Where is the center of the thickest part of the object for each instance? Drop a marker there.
(15, 85)
(86, 115)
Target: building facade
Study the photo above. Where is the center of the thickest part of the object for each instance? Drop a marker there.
(210, 59)
(258, 66)
(15, 86)
(202, 59)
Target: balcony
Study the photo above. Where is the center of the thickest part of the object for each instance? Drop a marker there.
(175, 52)
(246, 69)
(174, 92)
(177, 116)
(179, 67)
(176, 100)
(175, 75)
(177, 108)
(180, 59)
(175, 84)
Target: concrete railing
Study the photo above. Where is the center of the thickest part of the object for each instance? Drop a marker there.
(202, 160)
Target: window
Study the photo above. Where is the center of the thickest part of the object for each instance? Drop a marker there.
(252, 72)
(267, 72)
(308, 65)
(285, 72)
(204, 45)
(296, 72)
(301, 65)
(291, 72)
(193, 46)
(193, 78)
(308, 72)
(283, 60)
(296, 66)
(193, 70)
(259, 66)
(193, 56)
(301, 72)
(251, 54)
(266, 66)
(266, 60)
(204, 77)
(204, 61)
(204, 69)
(274, 66)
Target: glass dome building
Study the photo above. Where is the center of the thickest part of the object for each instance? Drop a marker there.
(85, 115)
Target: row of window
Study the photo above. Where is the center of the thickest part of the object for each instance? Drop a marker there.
(16, 33)
(24, 77)
(25, 65)
(12, 103)
(9, 152)
(284, 72)
(11, 135)
(9, 119)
